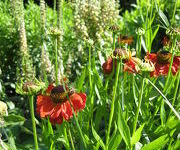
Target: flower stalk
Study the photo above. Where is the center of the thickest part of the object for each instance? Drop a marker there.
(31, 103)
(139, 105)
(113, 101)
(70, 136)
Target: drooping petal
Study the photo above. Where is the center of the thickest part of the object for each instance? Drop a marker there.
(44, 105)
(57, 112)
(108, 66)
(78, 100)
(130, 65)
(66, 110)
(46, 108)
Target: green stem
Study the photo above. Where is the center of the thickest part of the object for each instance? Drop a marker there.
(76, 120)
(110, 76)
(174, 12)
(175, 92)
(31, 103)
(56, 62)
(112, 103)
(43, 69)
(90, 79)
(70, 136)
(114, 41)
(140, 46)
(139, 105)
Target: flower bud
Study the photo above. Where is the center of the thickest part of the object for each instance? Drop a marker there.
(29, 88)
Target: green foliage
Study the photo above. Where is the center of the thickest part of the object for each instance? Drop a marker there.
(157, 121)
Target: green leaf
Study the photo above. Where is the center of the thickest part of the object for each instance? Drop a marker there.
(162, 15)
(157, 143)
(13, 119)
(173, 122)
(176, 145)
(155, 32)
(115, 140)
(137, 135)
(98, 139)
(164, 18)
(81, 80)
(123, 127)
(100, 112)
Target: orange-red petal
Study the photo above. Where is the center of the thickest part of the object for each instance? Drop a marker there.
(130, 66)
(66, 110)
(45, 106)
(78, 100)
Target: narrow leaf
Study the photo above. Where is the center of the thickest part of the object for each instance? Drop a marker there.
(123, 127)
(137, 135)
(157, 143)
(155, 32)
(81, 80)
(97, 137)
(115, 140)
(164, 18)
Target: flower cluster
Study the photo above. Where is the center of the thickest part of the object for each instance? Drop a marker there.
(93, 17)
(57, 103)
(161, 61)
(157, 64)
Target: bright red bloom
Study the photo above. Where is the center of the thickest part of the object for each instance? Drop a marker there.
(55, 105)
(161, 61)
(130, 65)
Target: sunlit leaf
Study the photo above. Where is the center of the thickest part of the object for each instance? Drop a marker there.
(137, 135)
(157, 143)
(97, 137)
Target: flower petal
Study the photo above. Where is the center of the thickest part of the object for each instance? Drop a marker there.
(50, 87)
(44, 106)
(108, 66)
(78, 100)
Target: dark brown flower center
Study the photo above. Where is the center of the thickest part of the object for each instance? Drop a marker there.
(163, 57)
(58, 94)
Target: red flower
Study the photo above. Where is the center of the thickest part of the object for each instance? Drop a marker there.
(55, 105)
(108, 66)
(161, 61)
(130, 65)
